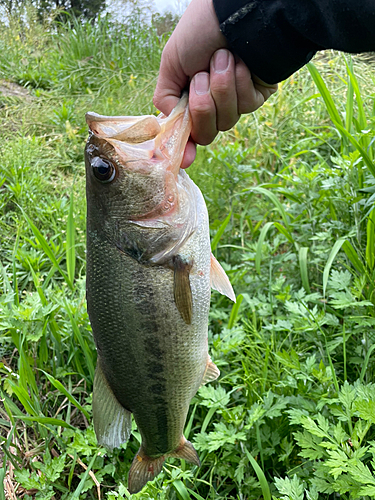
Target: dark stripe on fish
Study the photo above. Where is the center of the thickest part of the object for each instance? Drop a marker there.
(144, 299)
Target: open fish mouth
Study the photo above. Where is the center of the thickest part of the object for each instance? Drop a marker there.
(146, 137)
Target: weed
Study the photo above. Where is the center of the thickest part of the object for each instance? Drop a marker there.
(290, 192)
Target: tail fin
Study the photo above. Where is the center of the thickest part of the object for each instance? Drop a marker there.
(143, 469)
(186, 451)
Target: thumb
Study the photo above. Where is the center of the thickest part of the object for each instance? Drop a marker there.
(171, 80)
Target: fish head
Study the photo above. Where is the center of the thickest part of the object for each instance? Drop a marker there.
(133, 178)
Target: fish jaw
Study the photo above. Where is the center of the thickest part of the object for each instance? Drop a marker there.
(146, 138)
(148, 209)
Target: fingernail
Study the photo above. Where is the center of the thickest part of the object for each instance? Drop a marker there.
(221, 61)
(201, 83)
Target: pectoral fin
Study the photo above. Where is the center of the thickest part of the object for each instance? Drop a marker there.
(220, 281)
(182, 291)
(112, 423)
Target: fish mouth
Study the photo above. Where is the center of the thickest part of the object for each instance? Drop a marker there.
(146, 138)
(130, 129)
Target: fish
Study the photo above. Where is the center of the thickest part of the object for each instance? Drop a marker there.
(149, 276)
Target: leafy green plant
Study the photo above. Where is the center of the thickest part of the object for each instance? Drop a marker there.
(290, 193)
(336, 446)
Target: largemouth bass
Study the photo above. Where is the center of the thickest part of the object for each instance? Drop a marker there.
(149, 277)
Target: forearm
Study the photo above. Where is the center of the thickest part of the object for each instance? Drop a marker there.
(277, 37)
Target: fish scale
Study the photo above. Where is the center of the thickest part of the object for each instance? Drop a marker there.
(149, 276)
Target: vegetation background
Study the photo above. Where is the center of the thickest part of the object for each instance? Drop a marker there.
(290, 192)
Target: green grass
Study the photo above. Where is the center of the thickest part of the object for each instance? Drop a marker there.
(290, 192)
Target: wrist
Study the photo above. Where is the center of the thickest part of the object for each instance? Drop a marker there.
(198, 36)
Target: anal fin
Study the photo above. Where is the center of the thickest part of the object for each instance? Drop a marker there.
(182, 291)
(186, 451)
(143, 469)
(220, 281)
(211, 373)
(112, 422)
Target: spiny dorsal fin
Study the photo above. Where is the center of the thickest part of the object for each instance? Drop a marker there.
(211, 373)
(220, 281)
(182, 291)
(112, 423)
(143, 469)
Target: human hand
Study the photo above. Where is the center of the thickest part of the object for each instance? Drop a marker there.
(221, 86)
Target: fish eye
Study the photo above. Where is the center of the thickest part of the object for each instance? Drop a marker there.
(103, 169)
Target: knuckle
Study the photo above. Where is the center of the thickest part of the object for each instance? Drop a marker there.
(202, 109)
(221, 90)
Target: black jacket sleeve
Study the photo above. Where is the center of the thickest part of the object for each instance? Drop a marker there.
(277, 37)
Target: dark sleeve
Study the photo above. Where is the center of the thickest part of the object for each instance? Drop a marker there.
(277, 37)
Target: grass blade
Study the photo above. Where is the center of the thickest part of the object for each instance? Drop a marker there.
(327, 268)
(258, 253)
(208, 417)
(6, 445)
(220, 232)
(365, 364)
(46, 420)
(353, 257)
(355, 86)
(324, 92)
(38, 288)
(370, 246)
(349, 100)
(190, 423)
(182, 492)
(58, 385)
(284, 231)
(26, 374)
(7, 287)
(234, 312)
(2, 477)
(23, 397)
(77, 492)
(278, 205)
(47, 250)
(302, 256)
(195, 495)
(15, 282)
(70, 241)
(82, 342)
(366, 158)
(260, 475)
